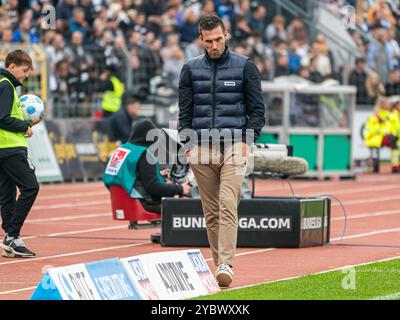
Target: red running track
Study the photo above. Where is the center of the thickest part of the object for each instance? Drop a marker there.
(72, 223)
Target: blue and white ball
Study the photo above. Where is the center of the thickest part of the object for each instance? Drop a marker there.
(32, 107)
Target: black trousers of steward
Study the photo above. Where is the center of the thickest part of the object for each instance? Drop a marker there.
(15, 171)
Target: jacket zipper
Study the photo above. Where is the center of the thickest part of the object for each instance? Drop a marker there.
(213, 96)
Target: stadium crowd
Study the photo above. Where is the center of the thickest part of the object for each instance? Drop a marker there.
(93, 38)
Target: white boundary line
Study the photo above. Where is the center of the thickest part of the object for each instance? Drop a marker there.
(17, 290)
(75, 232)
(70, 205)
(393, 296)
(64, 218)
(76, 253)
(73, 195)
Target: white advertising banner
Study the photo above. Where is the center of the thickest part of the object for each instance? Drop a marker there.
(171, 275)
(41, 153)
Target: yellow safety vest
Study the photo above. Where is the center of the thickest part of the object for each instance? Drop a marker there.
(10, 139)
(394, 120)
(111, 101)
(373, 132)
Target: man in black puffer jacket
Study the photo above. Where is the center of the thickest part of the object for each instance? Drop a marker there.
(221, 112)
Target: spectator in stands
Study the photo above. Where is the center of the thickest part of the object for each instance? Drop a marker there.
(25, 33)
(120, 122)
(361, 45)
(156, 60)
(172, 67)
(78, 22)
(106, 46)
(140, 174)
(113, 26)
(262, 67)
(392, 88)
(62, 88)
(297, 31)
(321, 40)
(169, 17)
(140, 75)
(226, 9)
(281, 59)
(7, 36)
(208, 7)
(294, 60)
(374, 86)
(242, 30)
(64, 12)
(362, 15)
(304, 72)
(171, 44)
(256, 18)
(315, 75)
(11, 10)
(319, 55)
(153, 25)
(88, 9)
(380, 16)
(152, 7)
(276, 29)
(47, 37)
(393, 50)
(194, 49)
(378, 57)
(189, 30)
(357, 78)
(57, 50)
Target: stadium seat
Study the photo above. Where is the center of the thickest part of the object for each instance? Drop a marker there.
(128, 209)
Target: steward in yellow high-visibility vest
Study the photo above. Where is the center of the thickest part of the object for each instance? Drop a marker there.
(394, 126)
(15, 169)
(112, 98)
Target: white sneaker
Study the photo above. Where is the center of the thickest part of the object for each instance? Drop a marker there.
(224, 275)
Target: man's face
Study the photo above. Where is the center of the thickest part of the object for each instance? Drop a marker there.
(21, 73)
(133, 108)
(214, 41)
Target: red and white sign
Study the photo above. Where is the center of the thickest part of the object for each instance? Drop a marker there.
(116, 161)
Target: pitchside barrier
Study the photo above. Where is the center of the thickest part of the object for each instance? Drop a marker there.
(263, 222)
(171, 275)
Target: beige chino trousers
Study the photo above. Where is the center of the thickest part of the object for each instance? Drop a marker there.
(219, 173)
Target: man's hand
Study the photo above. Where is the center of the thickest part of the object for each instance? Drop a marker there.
(164, 173)
(35, 122)
(28, 133)
(245, 149)
(186, 189)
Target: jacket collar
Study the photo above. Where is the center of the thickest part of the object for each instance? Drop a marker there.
(221, 60)
(9, 76)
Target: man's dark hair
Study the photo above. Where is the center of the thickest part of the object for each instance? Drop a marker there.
(19, 57)
(360, 60)
(210, 22)
(129, 97)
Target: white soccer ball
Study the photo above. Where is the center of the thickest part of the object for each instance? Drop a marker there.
(32, 107)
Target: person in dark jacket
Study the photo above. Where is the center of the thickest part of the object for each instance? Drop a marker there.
(120, 123)
(357, 78)
(221, 113)
(134, 167)
(15, 170)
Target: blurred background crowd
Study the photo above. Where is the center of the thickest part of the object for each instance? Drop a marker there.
(92, 38)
